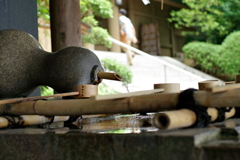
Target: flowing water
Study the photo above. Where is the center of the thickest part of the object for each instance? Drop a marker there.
(125, 84)
(118, 123)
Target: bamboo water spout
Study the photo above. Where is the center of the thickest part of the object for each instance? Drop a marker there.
(133, 104)
(109, 76)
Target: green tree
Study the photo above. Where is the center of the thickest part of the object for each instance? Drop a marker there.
(221, 60)
(90, 9)
(212, 22)
(43, 9)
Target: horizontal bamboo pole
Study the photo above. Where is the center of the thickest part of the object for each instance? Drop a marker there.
(134, 104)
(218, 100)
(76, 107)
(36, 119)
(28, 120)
(38, 97)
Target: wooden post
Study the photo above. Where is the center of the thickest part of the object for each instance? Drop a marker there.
(113, 26)
(65, 23)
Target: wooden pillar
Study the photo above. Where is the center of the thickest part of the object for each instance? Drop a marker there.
(113, 25)
(65, 23)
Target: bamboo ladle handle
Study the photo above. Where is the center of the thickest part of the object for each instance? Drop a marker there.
(38, 97)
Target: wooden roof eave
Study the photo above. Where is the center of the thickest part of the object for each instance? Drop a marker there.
(172, 3)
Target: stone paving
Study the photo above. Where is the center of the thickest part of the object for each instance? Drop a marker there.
(147, 72)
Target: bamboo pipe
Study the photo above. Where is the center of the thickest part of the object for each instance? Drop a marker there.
(3, 122)
(28, 120)
(204, 85)
(85, 91)
(183, 118)
(109, 76)
(175, 119)
(36, 119)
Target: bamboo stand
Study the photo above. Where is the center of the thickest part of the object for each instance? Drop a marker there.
(185, 117)
(203, 85)
(134, 104)
(85, 91)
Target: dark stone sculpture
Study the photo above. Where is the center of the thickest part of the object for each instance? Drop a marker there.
(24, 66)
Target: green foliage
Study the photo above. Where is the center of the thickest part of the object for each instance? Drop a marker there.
(230, 59)
(105, 90)
(45, 91)
(211, 22)
(119, 68)
(90, 20)
(196, 16)
(90, 9)
(217, 59)
(204, 54)
(43, 9)
(98, 35)
(100, 8)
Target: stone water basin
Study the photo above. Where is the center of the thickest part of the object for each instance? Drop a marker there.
(121, 137)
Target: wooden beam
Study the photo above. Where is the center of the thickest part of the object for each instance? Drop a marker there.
(174, 4)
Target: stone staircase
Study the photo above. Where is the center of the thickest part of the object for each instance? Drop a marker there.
(149, 71)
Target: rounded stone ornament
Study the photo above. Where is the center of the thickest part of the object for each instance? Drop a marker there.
(24, 66)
